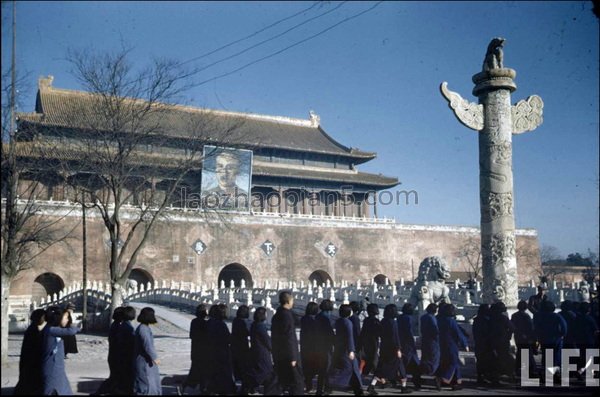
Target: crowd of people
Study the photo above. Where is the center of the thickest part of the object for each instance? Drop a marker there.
(338, 354)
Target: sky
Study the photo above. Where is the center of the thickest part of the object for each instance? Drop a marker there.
(374, 80)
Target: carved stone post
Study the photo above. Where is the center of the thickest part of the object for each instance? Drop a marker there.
(496, 120)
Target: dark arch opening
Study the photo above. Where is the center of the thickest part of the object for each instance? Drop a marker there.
(321, 276)
(235, 272)
(141, 276)
(380, 279)
(46, 284)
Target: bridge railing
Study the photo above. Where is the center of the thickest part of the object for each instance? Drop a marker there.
(186, 296)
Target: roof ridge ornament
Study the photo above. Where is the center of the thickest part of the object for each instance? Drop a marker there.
(315, 119)
(45, 82)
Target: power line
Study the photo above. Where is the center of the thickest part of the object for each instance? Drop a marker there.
(251, 35)
(266, 40)
(288, 47)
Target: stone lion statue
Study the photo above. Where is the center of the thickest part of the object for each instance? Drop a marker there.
(430, 286)
(494, 57)
(130, 283)
(584, 291)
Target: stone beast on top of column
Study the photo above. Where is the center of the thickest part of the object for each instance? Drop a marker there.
(496, 120)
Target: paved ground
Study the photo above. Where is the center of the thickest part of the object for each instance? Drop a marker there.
(89, 368)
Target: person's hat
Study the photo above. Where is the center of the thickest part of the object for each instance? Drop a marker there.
(70, 306)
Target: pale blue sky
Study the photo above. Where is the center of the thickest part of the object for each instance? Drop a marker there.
(374, 81)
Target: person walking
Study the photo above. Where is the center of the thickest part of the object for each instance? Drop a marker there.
(261, 370)
(410, 357)
(200, 347)
(586, 334)
(309, 350)
(567, 313)
(285, 346)
(126, 351)
(30, 365)
(390, 367)
(430, 343)
(344, 369)
(324, 346)
(70, 340)
(452, 339)
(369, 338)
(534, 304)
(483, 347)
(550, 328)
(109, 385)
(357, 309)
(146, 372)
(524, 339)
(501, 332)
(221, 368)
(54, 377)
(240, 343)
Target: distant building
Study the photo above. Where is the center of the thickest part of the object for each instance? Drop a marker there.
(562, 271)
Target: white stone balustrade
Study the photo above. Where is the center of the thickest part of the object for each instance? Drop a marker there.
(303, 294)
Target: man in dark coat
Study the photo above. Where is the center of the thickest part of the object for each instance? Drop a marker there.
(430, 341)
(586, 334)
(285, 346)
(369, 338)
(260, 371)
(324, 341)
(390, 367)
(200, 351)
(408, 345)
(550, 329)
(109, 385)
(344, 371)
(483, 348)
(452, 338)
(221, 372)
(357, 308)
(501, 332)
(524, 337)
(535, 301)
(309, 349)
(125, 340)
(30, 365)
(567, 313)
(240, 338)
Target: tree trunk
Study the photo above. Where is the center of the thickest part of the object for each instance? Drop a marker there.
(116, 291)
(6, 281)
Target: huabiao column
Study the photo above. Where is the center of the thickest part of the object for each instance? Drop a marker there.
(496, 120)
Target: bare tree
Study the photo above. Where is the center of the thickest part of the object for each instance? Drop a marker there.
(547, 271)
(26, 231)
(124, 142)
(592, 268)
(549, 253)
(470, 257)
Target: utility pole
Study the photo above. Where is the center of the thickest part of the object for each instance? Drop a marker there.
(13, 74)
(84, 256)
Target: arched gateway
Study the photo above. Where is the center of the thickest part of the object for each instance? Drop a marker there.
(321, 276)
(235, 272)
(141, 276)
(46, 284)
